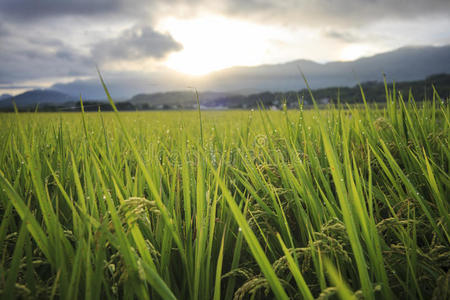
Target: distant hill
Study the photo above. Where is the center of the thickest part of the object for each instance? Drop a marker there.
(32, 98)
(374, 91)
(5, 96)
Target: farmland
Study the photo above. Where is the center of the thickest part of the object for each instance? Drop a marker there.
(293, 204)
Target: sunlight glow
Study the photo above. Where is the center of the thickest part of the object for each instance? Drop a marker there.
(212, 43)
(355, 51)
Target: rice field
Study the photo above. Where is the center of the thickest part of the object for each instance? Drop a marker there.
(336, 203)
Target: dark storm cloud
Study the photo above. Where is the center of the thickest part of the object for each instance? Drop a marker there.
(136, 43)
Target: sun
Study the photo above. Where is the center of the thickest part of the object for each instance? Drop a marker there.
(212, 43)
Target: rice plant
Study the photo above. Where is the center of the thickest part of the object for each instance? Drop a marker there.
(344, 202)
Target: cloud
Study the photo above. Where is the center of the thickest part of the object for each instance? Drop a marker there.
(340, 35)
(28, 10)
(135, 43)
(36, 55)
(26, 59)
(3, 30)
(288, 12)
(17, 87)
(348, 13)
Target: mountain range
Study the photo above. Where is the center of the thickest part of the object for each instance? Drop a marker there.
(374, 91)
(404, 64)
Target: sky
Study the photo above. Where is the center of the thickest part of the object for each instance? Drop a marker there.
(46, 43)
